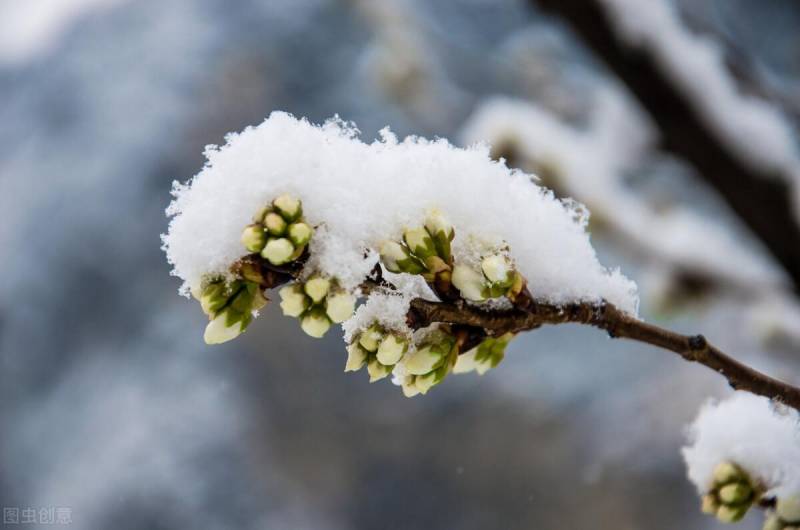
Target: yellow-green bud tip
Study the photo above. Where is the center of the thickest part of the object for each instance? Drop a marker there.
(254, 238)
(278, 251)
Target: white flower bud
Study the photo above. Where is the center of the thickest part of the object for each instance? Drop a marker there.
(788, 508)
(317, 288)
(290, 208)
(393, 252)
(726, 472)
(300, 233)
(315, 323)
(409, 386)
(497, 269)
(356, 358)
(391, 349)
(735, 493)
(377, 371)
(470, 283)
(730, 514)
(436, 222)
(278, 251)
(419, 242)
(466, 362)
(294, 301)
(275, 224)
(425, 382)
(218, 331)
(423, 360)
(340, 306)
(254, 238)
(370, 338)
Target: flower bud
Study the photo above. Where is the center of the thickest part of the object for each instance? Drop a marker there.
(370, 338)
(315, 323)
(498, 270)
(425, 382)
(773, 522)
(317, 288)
(261, 213)
(290, 208)
(788, 508)
(397, 258)
(254, 238)
(441, 232)
(300, 233)
(356, 358)
(340, 306)
(409, 386)
(470, 283)
(391, 349)
(377, 371)
(726, 472)
(275, 224)
(259, 299)
(214, 297)
(278, 251)
(223, 328)
(735, 493)
(294, 301)
(730, 514)
(424, 360)
(419, 242)
(709, 504)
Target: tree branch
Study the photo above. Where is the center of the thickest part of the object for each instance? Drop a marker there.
(617, 324)
(762, 200)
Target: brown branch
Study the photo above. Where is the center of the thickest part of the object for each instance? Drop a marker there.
(761, 199)
(617, 324)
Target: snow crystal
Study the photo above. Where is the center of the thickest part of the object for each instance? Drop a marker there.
(748, 430)
(358, 195)
(389, 310)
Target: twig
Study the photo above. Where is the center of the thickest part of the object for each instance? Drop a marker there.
(618, 324)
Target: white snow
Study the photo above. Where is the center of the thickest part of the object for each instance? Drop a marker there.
(591, 163)
(755, 130)
(358, 195)
(750, 431)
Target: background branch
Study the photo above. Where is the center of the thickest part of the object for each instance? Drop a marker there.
(762, 200)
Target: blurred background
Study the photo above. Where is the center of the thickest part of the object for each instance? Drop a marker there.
(112, 407)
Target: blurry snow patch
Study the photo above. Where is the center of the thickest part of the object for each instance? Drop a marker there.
(34, 27)
(760, 437)
(359, 195)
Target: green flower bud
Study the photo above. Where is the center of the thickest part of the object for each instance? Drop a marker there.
(498, 270)
(391, 349)
(726, 472)
(441, 232)
(300, 234)
(420, 243)
(424, 360)
(426, 382)
(278, 251)
(356, 358)
(730, 514)
(222, 329)
(377, 371)
(709, 504)
(735, 493)
(340, 306)
(214, 297)
(409, 386)
(315, 323)
(470, 283)
(290, 208)
(275, 224)
(317, 288)
(254, 238)
(259, 299)
(788, 508)
(370, 338)
(397, 258)
(294, 301)
(261, 213)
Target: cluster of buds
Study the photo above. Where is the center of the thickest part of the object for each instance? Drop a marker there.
(732, 493)
(785, 516)
(496, 277)
(429, 363)
(484, 356)
(317, 303)
(279, 233)
(229, 306)
(424, 250)
(377, 349)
